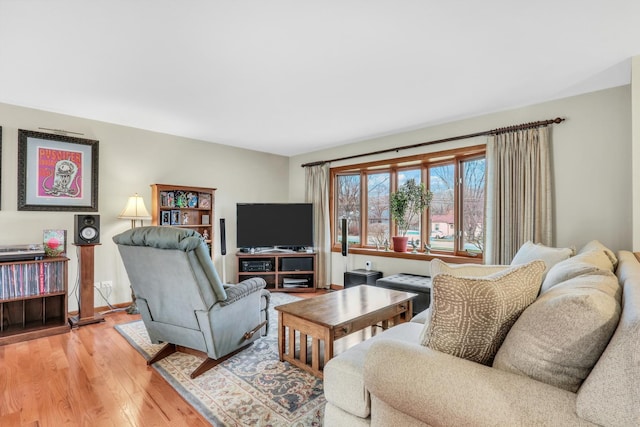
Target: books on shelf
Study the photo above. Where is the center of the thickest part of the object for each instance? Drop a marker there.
(55, 242)
(30, 279)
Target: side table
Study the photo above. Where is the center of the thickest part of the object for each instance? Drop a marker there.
(361, 277)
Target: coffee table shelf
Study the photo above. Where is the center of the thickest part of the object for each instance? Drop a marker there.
(326, 318)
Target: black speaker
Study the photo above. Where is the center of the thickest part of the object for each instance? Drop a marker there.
(345, 243)
(223, 238)
(87, 229)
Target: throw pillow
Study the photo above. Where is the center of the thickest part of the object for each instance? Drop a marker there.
(470, 317)
(560, 337)
(551, 256)
(583, 263)
(596, 245)
(464, 270)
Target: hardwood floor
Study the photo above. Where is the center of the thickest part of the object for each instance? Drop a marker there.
(90, 376)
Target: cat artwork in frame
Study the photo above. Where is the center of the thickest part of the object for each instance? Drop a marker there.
(57, 172)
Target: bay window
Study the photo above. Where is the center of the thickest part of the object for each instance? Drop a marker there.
(452, 225)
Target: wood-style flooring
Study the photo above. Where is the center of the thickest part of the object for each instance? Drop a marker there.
(90, 376)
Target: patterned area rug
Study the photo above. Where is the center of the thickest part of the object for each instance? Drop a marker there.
(253, 388)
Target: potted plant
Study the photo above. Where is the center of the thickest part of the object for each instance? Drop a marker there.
(406, 204)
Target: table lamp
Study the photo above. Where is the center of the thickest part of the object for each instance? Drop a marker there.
(134, 210)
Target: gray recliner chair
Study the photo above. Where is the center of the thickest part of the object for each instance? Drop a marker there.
(182, 300)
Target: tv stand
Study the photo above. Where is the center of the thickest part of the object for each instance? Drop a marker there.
(283, 269)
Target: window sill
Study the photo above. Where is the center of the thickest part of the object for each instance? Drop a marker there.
(452, 259)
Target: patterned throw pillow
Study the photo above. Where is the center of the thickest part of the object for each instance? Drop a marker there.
(470, 317)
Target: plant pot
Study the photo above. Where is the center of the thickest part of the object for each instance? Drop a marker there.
(400, 243)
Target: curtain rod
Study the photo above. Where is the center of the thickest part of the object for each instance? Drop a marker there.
(453, 138)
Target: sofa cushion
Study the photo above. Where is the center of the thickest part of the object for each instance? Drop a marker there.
(616, 373)
(464, 270)
(471, 316)
(583, 263)
(343, 375)
(596, 245)
(531, 251)
(559, 338)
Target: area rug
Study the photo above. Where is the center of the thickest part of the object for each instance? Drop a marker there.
(253, 388)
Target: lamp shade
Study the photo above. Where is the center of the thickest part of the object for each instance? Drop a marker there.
(135, 209)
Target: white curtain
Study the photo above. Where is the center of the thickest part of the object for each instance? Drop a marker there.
(518, 202)
(317, 192)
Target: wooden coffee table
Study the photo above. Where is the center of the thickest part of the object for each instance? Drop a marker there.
(334, 315)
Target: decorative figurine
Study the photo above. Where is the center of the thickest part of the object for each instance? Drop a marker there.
(386, 245)
(427, 248)
(185, 218)
(205, 235)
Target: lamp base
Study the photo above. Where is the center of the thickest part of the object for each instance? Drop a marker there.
(133, 308)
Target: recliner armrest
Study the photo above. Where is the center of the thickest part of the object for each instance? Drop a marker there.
(440, 389)
(242, 289)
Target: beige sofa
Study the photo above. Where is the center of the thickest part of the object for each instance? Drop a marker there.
(391, 379)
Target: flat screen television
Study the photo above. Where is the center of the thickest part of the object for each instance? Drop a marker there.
(274, 225)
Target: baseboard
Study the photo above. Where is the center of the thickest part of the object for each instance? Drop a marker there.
(103, 308)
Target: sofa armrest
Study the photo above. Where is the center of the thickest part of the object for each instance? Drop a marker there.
(242, 289)
(440, 389)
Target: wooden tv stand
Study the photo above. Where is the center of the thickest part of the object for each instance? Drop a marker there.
(285, 272)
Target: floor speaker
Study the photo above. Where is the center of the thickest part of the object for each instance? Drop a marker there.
(223, 237)
(87, 229)
(345, 243)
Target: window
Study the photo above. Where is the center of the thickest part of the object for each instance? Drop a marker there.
(378, 221)
(454, 222)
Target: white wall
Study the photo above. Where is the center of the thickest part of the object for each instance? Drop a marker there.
(130, 160)
(591, 164)
(635, 119)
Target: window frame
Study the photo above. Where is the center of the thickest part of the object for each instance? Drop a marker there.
(395, 166)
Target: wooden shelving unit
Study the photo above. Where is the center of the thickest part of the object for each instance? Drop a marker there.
(33, 299)
(185, 207)
(280, 268)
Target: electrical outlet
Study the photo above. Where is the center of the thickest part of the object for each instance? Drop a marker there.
(107, 284)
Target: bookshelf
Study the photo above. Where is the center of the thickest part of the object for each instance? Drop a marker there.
(184, 207)
(33, 299)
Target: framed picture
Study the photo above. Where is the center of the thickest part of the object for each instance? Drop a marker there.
(175, 217)
(57, 172)
(165, 218)
(204, 201)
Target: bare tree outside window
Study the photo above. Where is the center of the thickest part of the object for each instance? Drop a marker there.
(473, 185)
(378, 208)
(348, 206)
(442, 219)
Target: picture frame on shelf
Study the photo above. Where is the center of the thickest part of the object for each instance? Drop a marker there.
(57, 172)
(204, 201)
(54, 242)
(164, 199)
(165, 218)
(175, 217)
(192, 200)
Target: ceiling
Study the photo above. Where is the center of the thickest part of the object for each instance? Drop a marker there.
(294, 76)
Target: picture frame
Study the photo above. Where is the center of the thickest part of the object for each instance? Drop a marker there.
(165, 218)
(175, 217)
(57, 172)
